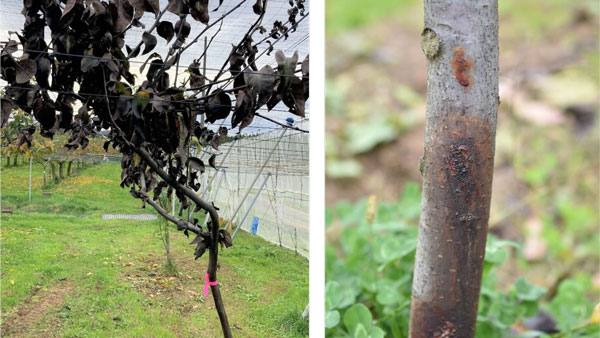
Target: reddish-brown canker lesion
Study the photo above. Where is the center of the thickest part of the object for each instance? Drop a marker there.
(462, 66)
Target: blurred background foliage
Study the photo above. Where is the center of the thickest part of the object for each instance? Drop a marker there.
(546, 181)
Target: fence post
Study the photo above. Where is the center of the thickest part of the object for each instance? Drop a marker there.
(279, 234)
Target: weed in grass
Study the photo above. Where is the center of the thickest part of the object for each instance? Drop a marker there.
(171, 268)
(292, 321)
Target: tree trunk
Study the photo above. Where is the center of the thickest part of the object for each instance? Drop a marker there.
(53, 170)
(460, 42)
(168, 244)
(61, 166)
(7, 161)
(15, 161)
(69, 168)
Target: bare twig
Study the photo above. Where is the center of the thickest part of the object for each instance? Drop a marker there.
(154, 25)
(210, 42)
(211, 25)
(246, 36)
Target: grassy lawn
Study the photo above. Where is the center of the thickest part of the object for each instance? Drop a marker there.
(66, 272)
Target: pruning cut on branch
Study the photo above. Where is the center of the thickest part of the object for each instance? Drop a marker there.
(87, 63)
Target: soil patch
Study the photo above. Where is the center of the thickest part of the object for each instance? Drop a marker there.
(19, 323)
(183, 291)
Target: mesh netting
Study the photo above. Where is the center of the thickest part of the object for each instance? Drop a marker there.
(272, 170)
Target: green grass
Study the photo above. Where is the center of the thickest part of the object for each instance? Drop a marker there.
(93, 192)
(531, 19)
(111, 274)
(348, 14)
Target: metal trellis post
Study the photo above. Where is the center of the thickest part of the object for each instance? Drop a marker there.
(262, 185)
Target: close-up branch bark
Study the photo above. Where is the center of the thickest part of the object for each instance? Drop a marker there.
(460, 42)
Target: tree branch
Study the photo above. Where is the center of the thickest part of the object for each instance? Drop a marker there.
(258, 56)
(180, 223)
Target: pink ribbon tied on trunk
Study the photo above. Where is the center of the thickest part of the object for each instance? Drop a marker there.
(207, 283)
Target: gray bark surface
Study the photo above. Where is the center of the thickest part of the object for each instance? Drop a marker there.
(460, 42)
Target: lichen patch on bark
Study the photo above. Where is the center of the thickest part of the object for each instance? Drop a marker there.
(430, 43)
(462, 67)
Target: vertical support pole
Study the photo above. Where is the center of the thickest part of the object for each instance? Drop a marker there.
(262, 185)
(296, 241)
(204, 62)
(30, 170)
(279, 234)
(460, 42)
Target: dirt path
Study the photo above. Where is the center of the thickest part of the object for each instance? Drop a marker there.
(22, 320)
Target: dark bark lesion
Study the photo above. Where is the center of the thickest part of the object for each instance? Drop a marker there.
(457, 188)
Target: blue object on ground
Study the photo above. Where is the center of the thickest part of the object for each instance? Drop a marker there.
(254, 225)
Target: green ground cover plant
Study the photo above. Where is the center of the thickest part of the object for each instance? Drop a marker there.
(369, 261)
